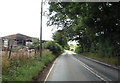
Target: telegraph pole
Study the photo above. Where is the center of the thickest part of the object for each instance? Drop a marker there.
(41, 29)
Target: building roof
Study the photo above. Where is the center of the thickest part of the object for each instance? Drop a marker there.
(18, 36)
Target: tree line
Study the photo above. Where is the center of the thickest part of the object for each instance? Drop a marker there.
(95, 26)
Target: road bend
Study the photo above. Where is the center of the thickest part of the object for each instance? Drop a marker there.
(72, 67)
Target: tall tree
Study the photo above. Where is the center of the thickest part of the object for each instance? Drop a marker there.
(60, 38)
(90, 24)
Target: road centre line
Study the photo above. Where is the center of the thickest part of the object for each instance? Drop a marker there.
(102, 63)
(92, 70)
(85, 66)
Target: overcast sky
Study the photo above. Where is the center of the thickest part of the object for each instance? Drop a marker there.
(23, 16)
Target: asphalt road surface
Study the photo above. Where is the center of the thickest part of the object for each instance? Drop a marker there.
(73, 67)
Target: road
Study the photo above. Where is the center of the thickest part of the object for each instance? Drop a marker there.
(73, 67)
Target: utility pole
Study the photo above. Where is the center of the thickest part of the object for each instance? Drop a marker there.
(41, 29)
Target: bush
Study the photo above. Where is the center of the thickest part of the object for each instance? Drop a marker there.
(30, 46)
(47, 57)
(78, 49)
(52, 46)
(67, 47)
(24, 70)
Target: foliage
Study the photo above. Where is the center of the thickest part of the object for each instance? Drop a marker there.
(25, 69)
(112, 60)
(52, 46)
(47, 57)
(17, 48)
(60, 38)
(5, 63)
(95, 26)
(72, 47)
(30, 46)
(35, 41)
(34, 44)
(67, 47)
(78, 49)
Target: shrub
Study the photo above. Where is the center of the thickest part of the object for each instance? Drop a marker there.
(78, 49)
(5, 63)
(67, 47)
(23, 70)
(52, 46)
(30, 46)
(47, 56)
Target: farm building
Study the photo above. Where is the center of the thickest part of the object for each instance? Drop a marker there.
(15, 40)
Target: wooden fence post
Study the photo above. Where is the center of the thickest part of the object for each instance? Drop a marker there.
(10, 49)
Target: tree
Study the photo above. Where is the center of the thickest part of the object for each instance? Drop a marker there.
(60, 38)
(52, 46)
(35, 44)
(90, 24)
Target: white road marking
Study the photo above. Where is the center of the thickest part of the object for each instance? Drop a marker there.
(103, 63)
(92, 71)
(85, 66)
(50, 70)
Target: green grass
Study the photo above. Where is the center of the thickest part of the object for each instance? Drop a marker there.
(23, 73)
(24, 70)
(109, 60)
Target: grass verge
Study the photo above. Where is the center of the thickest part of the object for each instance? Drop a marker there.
(25, 69)
(109, 60)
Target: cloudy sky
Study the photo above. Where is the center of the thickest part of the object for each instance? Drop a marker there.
(23, 16)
